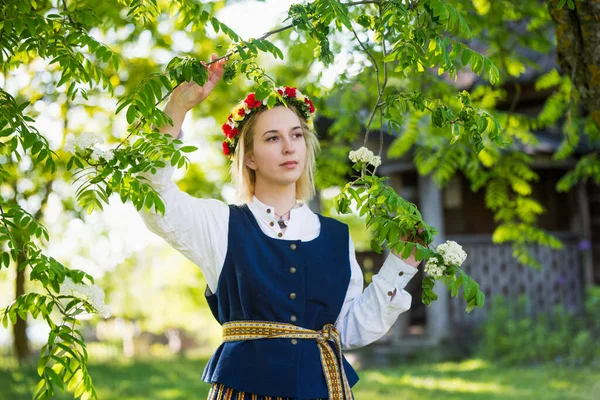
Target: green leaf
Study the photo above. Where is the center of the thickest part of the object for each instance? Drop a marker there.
(41, 390)
(132, 113)
(42, 364)
(56, 379)
(437, 118)
(188, 149)
(456, 286)
(467, 286)
(480, 299)
(76, 384)
(408, 248)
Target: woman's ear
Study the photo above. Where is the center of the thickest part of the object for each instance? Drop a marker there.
(250, 163)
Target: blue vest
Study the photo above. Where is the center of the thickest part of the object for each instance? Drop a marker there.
(258, 276)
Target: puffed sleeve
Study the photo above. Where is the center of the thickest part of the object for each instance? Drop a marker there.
(367, 315)
(195, 227)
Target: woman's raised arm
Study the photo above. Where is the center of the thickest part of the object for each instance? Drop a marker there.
(195, 227)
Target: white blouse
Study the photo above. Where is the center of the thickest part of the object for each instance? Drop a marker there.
(198, 229)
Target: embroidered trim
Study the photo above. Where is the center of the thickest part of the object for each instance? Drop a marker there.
(333, 368)
(216, 387)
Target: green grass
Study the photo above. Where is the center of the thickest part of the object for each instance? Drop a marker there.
(472, 379)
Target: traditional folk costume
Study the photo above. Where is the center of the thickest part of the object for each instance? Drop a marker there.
(289, 300)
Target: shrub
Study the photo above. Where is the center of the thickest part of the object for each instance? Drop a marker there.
(513, 335)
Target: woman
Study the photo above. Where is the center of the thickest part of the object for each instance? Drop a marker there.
(283, 281)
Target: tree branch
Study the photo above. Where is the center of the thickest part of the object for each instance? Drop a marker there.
(378, 82)
(227, 55)
(385, 79)
(356, 3)
(264, 36)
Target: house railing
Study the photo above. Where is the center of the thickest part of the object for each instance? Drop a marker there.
(560, 281)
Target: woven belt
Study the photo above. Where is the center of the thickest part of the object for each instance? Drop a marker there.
(333, 368)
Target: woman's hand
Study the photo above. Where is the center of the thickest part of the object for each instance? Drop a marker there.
(189, 94)
(411, 259)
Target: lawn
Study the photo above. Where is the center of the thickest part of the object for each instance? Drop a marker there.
(472, 379)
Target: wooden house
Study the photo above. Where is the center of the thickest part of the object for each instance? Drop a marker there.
(460, 214)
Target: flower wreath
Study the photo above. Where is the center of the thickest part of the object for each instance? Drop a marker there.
(236, 119)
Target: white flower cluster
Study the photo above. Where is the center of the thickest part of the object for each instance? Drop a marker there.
(97, 154)
(88, 140)
(365, 155)
(433, 268)
(93, 294)
(452, 253)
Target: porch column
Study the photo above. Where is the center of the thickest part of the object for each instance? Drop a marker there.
(432, 209)
(585, 232)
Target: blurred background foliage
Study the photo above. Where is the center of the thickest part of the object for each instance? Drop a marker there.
(158, 295)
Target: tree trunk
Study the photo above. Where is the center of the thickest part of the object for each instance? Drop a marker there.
(578, 49)
(21, 343)
(578, 41)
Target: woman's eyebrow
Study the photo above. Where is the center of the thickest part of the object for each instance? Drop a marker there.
(275, 130)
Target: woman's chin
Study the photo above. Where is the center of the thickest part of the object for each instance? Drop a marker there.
(287, 179)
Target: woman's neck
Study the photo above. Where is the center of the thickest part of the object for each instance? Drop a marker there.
(281, 200)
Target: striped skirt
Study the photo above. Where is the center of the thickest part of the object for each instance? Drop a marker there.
(222, 392)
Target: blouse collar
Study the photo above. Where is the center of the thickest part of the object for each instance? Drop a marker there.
(268, 212)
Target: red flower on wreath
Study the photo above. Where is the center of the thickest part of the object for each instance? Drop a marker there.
(310, 104)
(252, 102)
(230, 131)
(225, 148)
(280, 92)
(290, 92)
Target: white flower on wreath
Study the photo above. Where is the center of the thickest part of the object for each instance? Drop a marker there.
(365, 155)
(93, 294)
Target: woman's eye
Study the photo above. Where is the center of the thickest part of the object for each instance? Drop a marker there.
(272, 137)
(299, 134)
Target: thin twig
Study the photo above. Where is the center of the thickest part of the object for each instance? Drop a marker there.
(378, 82)
(68, 16)
(385, 78)
(416, 8)
(356, 3)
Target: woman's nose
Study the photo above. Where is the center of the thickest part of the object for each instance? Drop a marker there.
(288, 146)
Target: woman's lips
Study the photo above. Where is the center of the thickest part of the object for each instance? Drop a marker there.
(290, 164)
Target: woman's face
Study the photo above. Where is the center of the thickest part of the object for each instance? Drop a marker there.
(279, 152)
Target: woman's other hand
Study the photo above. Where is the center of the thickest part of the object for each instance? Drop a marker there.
(411, 259)
(189, 94)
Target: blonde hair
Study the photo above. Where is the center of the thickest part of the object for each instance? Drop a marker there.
(244, 178)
